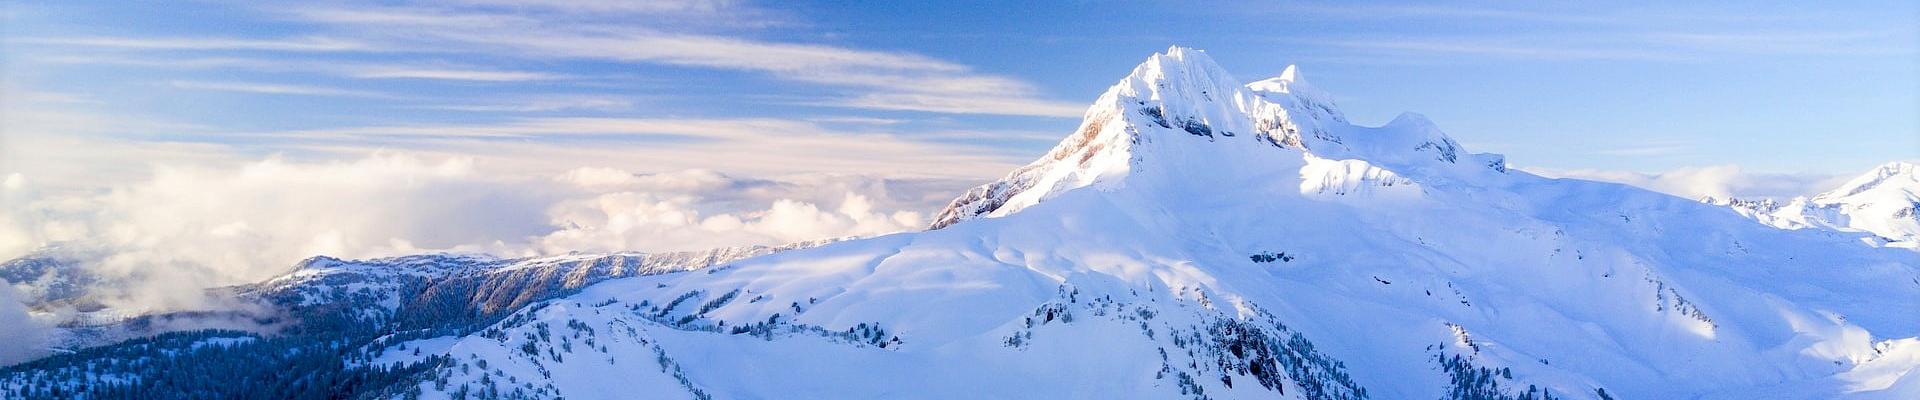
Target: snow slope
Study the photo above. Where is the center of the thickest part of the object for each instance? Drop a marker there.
(1884, 202)
(314, 332)
(1200, 238)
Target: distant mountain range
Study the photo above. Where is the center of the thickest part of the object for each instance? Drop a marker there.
(1884, 202)
(319, 316)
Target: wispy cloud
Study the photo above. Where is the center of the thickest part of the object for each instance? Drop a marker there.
(274, 88)
(150, 61)
(1796, 42)
(1664, 46)
(706, 14)
(843, 119)
(996, 135)
(879, 79)
(751, 145)
(1502, 47)
(936, 102)
(1560, 14)
(1681, 33)
(413, 17)
(361, 70)
(615, 6)
(572, 126)
(544, 103)
(452, 74)
(1382, 11)
(303, 44)
(563, 31)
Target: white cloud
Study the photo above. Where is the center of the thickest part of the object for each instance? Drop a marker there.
(24, 336)
(630, 220)
(15, 237)
(452, 74)
(1682, 33)
(544, 103)
(1718, 181)
(964, 105)
(753, 146)
(201, 226)
(614, 6)
(274, 88)
(1537, 48)
(305, 44)
(599, 177)
(361, 70)
(657, 33)
(858, 120)
(696, 209)
(1679, 44)
(205, 225)
(921, 83)
(534, 127)
(250, 222)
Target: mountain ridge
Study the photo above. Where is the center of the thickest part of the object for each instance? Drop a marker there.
(1883, 202)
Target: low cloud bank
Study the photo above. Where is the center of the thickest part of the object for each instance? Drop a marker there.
(1720, 181)
(191, 227)
(22, 336)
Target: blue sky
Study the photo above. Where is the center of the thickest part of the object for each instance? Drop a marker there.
(936, 88)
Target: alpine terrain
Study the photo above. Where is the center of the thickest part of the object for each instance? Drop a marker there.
(1195, 238)
(1884, 203)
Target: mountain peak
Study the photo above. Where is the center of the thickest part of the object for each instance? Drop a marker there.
(1292, 89)
(1180, 55)
(1892, 170)
(1184, 53)
(1411, 119)
(1179, 113)
(1180, 90)
(1896, 175)
(1897, 168)
(1286, 82)
(1180, 74)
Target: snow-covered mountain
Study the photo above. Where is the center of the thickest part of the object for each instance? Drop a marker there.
(52, 277)
(1201, 238)
(1197, 237)
(1884, 202)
